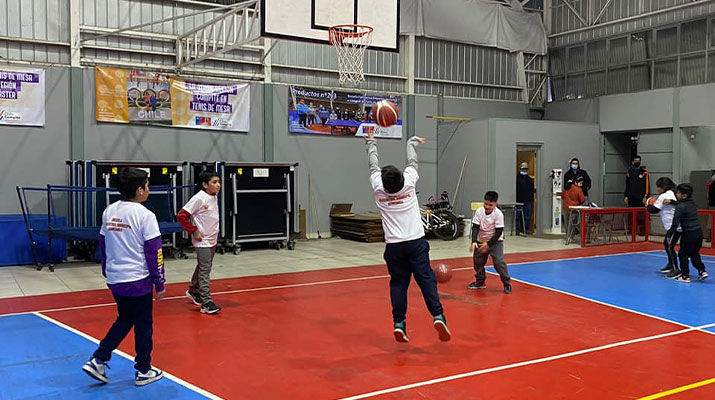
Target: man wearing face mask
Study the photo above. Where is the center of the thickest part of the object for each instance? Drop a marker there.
(637, 184)
(575, 172)
(525, 195)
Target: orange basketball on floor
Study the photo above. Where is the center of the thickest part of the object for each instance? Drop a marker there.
(651, 201)
(385, 113)
(443, 273)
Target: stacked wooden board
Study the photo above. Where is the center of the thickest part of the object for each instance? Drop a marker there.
(365, 227)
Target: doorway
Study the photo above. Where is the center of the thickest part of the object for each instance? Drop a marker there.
(619, 149)
(529, 155)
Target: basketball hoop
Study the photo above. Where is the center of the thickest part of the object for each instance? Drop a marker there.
(350, 42)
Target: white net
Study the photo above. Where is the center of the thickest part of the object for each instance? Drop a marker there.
(350, 42)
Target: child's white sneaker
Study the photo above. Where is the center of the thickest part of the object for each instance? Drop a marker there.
(153, 375)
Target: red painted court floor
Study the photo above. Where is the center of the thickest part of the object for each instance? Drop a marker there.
(327, 335)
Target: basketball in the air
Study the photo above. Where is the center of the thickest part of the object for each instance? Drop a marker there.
(443, 273)
(385, 113)
(651, 201)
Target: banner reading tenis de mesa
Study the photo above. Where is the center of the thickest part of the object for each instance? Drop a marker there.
(22, 96)
(148, 97)
(328, 112)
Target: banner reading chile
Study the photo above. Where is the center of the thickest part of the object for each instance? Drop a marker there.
(328, 112)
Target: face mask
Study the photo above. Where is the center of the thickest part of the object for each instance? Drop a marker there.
(523, 172)
(574, 166)
(636, 164)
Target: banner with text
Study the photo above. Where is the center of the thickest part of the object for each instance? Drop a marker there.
(328, 112)
(22, 96)
(131, 96)
(211, 106)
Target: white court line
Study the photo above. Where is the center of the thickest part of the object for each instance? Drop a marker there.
(647, 253)
(705, 260)
(305, 284)
(130, 358)
(523, 363)
(608, 304)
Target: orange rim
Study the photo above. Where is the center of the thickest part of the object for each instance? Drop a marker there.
(348, 31)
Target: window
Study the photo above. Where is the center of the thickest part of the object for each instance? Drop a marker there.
(692, 70)
(619, 51)
(596, 83)
(556, 64)
(575, 87)
(666, 42)
(618, 80)
(559, 88)
(666, 73)
(641, 43)
(597, 55)
(693, 36)
(640, 77)
(577, 58)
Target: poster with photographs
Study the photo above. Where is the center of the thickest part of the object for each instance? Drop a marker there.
(134, 96)
(336, 113)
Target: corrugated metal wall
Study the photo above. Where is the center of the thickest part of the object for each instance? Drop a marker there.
(563, 20)
(38, 31)
(672, 55)
(44, 26)
(463, 70)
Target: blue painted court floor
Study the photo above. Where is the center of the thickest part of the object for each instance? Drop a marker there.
(41, 360)
(630, 281)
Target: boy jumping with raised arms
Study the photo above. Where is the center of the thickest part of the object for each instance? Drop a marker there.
(407, 251)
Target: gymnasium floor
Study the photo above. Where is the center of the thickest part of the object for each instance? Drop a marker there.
(596, 323)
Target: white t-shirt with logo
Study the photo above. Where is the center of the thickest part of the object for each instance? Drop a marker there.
(126, 225)
(488, 223)
(400, 211)
(667, 211)
(203, 208)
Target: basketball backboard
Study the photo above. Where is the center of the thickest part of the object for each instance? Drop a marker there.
(309, 20)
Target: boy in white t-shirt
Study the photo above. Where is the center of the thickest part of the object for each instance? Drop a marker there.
(132, 262)
(488, 239)
(200, 218)
(407, 251)
(666, 191)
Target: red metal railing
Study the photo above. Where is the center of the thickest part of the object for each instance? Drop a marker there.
(616, 210)
(712, 224)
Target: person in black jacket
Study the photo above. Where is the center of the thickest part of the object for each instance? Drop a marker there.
(574, 172)
(525, 195)
(686, 216)
(711, 192)
(637, 184)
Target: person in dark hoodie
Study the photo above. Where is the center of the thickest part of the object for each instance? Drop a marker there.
(637, 184)
(574, 172)
(525, 195)
(686, 216)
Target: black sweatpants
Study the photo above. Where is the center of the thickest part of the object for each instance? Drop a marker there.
(134, 312)
(669, 244)
(690, 244)
(404, 260)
